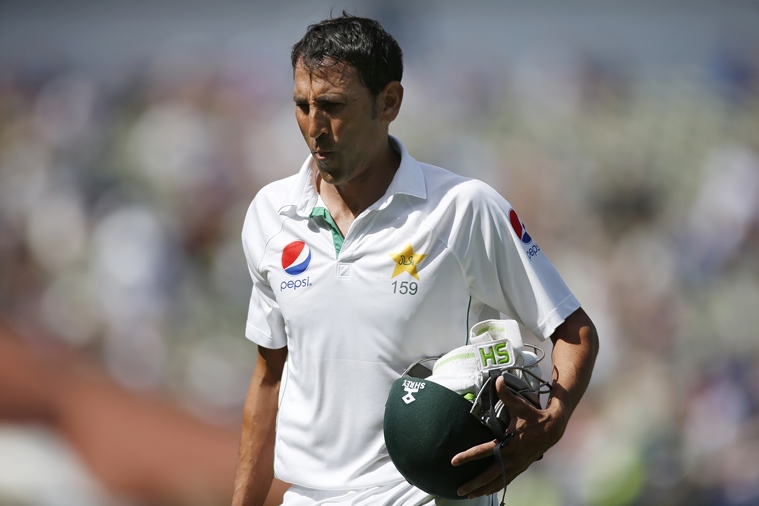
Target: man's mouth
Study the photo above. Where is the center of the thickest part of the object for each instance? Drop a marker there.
(322, 154)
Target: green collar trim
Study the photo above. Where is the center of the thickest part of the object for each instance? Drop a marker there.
(337, 237)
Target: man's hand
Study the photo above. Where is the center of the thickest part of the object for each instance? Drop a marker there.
(575, 347)
(535, 431)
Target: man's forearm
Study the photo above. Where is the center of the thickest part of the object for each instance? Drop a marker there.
(575, 346)
(255, 467)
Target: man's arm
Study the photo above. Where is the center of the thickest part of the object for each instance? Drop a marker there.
(575, 346)
(255, 467)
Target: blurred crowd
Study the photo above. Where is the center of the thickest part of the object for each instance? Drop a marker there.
(122, 198)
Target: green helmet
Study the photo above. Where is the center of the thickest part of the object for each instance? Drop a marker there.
(426, 424)
(432, 415)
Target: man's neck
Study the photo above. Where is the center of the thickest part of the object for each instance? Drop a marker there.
(346, 201)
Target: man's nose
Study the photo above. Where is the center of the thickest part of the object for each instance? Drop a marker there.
(318, 123)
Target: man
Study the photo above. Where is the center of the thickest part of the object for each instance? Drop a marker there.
(366, 261)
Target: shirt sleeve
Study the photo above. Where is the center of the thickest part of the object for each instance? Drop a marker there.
(265, 325)
(505, 268)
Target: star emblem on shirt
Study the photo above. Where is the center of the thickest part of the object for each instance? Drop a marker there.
(407, 261)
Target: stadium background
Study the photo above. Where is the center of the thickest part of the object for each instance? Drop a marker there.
(134, 134)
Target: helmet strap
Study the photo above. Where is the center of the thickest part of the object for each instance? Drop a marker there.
(501, 435)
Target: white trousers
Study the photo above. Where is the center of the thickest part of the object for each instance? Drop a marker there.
(395, 494)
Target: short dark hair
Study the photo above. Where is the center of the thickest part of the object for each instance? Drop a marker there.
(356, 41)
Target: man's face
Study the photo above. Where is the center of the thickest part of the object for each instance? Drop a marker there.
(337, 116)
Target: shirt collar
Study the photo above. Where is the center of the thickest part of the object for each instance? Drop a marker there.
(408, 180)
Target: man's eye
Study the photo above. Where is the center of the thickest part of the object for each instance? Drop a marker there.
(331, 106)
(302, 108)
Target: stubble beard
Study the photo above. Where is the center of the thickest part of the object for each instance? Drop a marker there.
(328, 172)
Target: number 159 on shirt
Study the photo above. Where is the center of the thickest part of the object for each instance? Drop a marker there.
(405, 287)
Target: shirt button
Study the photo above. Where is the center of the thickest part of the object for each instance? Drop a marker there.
(343, 270)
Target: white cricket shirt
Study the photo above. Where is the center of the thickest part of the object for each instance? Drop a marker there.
(435, 255)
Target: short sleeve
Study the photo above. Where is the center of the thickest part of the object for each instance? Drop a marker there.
(265, 325)
(504, 266)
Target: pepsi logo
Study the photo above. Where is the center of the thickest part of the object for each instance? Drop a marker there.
(518, 227)
(295, 258)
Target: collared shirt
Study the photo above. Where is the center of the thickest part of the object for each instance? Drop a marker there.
(434, 255)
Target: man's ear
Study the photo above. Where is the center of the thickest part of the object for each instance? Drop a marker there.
(389, 101)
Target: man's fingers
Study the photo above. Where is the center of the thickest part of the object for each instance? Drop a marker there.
(476, 452)
(513, 402)
(487, 482)
(494, 486)
(490, 480)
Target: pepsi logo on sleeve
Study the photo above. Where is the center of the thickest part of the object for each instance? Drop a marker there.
(519, 227)
(531, 248)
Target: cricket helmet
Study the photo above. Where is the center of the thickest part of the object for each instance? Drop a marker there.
(425, 425)
(433, 414)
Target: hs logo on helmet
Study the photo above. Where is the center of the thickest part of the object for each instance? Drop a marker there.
(495, 355)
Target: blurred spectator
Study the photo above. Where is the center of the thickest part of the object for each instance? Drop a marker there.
(123, 288)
